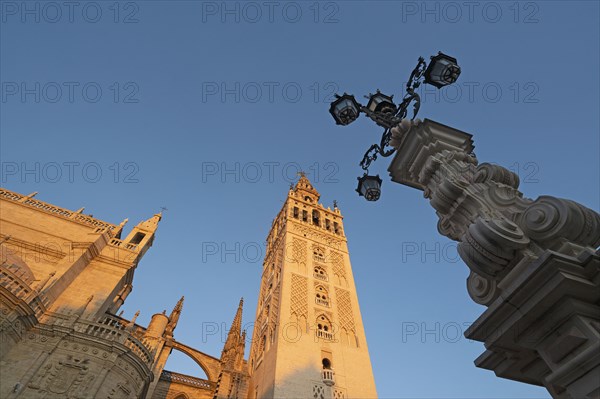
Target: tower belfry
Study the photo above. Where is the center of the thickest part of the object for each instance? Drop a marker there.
(308, 339)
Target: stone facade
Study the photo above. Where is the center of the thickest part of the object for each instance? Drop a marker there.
(308, 339)
(534, 264)
(63, 277)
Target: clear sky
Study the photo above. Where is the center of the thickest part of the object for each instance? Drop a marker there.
(210, 108)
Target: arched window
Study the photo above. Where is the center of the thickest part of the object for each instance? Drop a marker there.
(318, 254)
(137, 238)
(296, 212)
(336, 228)
(323, 323)
(316, 218)
(319, 273)
(321, 296)
(324, 328)
(327, 373)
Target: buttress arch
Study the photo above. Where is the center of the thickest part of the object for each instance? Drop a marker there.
(209, 364)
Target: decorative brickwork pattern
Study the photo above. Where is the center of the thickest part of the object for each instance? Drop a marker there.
(339, 394)
(299, 298)
(345, 310)
(337, 263)
(299, 251)
(318, 392)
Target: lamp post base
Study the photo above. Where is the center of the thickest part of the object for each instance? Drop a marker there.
(534, 264)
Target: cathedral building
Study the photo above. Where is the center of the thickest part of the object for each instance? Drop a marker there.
(64, 275)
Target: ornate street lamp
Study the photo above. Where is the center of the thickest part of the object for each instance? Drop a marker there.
(369, 187)
(534, 264)
(441, 71)
(379, 102)
(345, 109)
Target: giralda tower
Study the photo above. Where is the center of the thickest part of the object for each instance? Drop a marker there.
(308, 339)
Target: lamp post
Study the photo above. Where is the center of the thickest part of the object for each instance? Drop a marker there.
(441, 71)
(534, 264)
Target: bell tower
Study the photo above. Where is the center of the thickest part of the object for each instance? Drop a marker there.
(308, 339)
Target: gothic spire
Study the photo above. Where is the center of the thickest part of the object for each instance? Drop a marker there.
(131, 323)
(174, 316)
(43, 283)
(236, 328)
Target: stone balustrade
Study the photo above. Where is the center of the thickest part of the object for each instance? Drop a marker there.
(55, 210)
(115, 242)
(328, 377)
(186, 379)
(322, 302)
(325, 335)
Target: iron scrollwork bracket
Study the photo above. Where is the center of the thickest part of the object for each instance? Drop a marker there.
(388, 121)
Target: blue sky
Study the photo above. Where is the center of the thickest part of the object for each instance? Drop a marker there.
(210, 108)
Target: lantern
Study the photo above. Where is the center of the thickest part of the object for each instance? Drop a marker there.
(345, 109)
(442, 70)
(369, 187)
(379, 102)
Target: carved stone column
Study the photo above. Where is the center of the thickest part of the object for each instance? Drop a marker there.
(534, 263)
